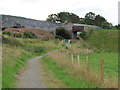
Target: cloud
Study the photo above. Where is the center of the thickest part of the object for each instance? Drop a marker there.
(30, 1)
(119, 12)
(40, 9)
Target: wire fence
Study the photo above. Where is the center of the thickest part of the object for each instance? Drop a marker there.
(103, 67)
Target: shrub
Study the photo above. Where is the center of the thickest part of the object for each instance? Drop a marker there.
(83, 34)
(86, 33)
(22, 26)
(28, 34)
(11, 41)
(6, 33)
(60, 31)
(19, 35)
(3, 28)
(34, 49)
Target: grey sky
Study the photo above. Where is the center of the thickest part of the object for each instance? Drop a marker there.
(40, 9)
(119, 13)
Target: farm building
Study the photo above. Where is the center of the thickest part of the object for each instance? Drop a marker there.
(76, 28)
(15, 21)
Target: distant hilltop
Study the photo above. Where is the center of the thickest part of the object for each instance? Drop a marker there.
(15, 21)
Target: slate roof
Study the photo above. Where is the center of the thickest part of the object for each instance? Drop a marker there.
(9, 21)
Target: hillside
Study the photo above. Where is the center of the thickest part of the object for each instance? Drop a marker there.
(100, 45)
(104, 40)
(81, 63)
(40, 33)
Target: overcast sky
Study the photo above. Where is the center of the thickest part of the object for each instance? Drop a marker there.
(119, 13)
(40, 9)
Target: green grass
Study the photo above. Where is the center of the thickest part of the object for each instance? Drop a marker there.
(64, 77)
(110, 63)
(10, 71)
(104, 40)
(106, 43)
(17, 51)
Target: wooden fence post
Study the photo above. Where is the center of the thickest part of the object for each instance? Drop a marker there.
(87, 51)
(102, 69)
(67, 52)
(87, 65)
(72, 57)
(78, 60)
(62, 41)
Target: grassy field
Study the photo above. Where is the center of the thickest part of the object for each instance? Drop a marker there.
(100, 45)
(110, 63)
(63, 75)
(61, 65)
(104, 40)
(16, 52)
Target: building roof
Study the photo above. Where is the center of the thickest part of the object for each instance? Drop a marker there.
(84, 25)
(9, 21)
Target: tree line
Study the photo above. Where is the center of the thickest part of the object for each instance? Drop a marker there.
(90, 19)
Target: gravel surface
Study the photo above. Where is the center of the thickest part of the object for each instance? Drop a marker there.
(32, 77)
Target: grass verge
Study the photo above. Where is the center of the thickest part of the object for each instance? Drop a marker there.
(63, 75)
(62, 66)
(17, 51)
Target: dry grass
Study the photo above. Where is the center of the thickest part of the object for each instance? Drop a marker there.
(50, 79)
(40, 33)
(61, 59)
(16, 52)
(80, 47)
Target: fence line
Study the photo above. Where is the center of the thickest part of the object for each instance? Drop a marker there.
(72, 58)
(78, 60)
(87, 64)
(102, 69)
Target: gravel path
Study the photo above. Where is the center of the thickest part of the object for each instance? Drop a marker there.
(32, 77)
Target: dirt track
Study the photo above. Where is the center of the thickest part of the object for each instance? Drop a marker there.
(32, 77)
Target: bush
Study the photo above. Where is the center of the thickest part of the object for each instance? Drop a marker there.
(86, 33)
(29, 35)
(22, 26)
(83, 34)
(11, 41)
(7, 33)
(18, 35)
(60, 31)
(34, 49)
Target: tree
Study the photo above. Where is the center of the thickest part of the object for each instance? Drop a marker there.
(90, 18)
(53, 18)
(74, 18)
(99, 20)
(118, 26)
(82, 21)
(63, 17)
(106, 25)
